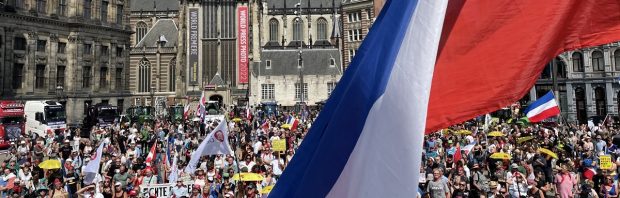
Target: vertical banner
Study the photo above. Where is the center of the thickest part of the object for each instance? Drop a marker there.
(193, 45)
(243, 44)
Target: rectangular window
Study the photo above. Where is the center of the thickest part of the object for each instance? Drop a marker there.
(351, 55)
(103, 76)
(119, 79)
(62, 7)
(300, 63)
(41, 6)
(19, 43)
(119, 104)
(41, 45)
(119, 52)
(60, 76)
(350, 35)
(267, 91)
(268, 64)
(18, 75)
(87, 7)
(298, 91)
(62, 47)
(39, 77)
(119, 14)
(104, 50)
(86, 77)
(104, 11)
(330, 88)
(355, 16)
(88, 49)
(87, 104)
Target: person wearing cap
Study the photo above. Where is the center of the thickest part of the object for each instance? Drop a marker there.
(66, 149)
(180, 190)
(59, 190)
(118, 191)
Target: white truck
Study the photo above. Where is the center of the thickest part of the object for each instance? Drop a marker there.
(45, 117)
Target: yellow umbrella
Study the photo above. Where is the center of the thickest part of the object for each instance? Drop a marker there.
(248, 177)
(236, 119)
(463, 132)
(548, 152)
(50, 164)
(500, 155)
(495, 134)
(524, 139)
(286, 126)
(266, 189)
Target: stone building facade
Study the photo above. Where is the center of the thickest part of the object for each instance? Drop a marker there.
(153, 68)
(357, 18)
(213, 51)
(588, 83)
(75, 51)
(299, 58)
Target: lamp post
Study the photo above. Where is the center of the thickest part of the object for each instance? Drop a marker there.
(301, 61)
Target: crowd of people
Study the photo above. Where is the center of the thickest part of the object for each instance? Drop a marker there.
(125, 171)
(503, 159)
(473, 159)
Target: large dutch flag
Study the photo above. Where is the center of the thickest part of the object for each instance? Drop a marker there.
(543, 108)
(425, 65)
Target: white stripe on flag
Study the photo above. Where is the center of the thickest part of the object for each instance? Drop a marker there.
(547, 105)
(386, 159)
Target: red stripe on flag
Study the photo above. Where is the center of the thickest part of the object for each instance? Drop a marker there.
(545, 114)
(492, 52)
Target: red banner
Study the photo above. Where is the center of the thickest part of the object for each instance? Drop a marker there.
(243, 44)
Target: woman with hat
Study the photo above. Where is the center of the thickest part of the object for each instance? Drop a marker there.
(118, 191)
(196, 192)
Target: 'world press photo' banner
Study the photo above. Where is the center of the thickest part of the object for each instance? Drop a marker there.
(163, 190)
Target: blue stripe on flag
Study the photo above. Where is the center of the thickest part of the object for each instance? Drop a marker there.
(333, 136)
(542, 100)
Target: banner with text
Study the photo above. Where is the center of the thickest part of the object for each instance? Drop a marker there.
(243, 44)
(163, 190)
(193, 45)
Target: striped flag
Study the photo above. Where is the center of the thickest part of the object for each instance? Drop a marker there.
(426, 65)
(151, 156)
(92, 168)
(543, 108)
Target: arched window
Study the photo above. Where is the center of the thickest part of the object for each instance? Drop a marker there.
(274, 26)
(601, 103)
(580, 99)
(141, 29)
(144, 75)
(321, 29)
(298, 29)
(617, 59)
(598, 64)
(577, 62)
(173, 74)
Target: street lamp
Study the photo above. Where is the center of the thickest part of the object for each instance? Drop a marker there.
(301, 60)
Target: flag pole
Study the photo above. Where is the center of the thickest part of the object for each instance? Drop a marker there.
(556, 92)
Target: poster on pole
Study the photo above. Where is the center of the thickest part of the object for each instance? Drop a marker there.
(242, 44)
(193, 45)
(279, 145)
(605, 162)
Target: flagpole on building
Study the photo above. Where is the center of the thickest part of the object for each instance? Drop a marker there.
(556, 92)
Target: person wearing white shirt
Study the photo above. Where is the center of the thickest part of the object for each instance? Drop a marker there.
(276, 164)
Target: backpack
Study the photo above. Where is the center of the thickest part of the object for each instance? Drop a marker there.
(482, 181)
